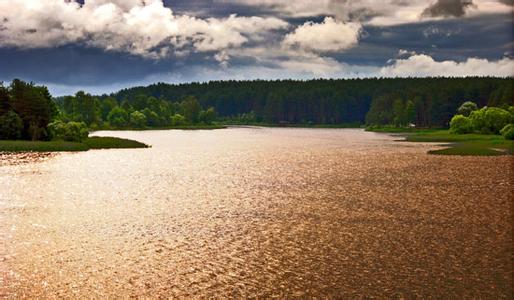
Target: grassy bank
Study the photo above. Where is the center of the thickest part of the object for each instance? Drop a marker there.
(457, 144)
(97, 142)
(61, 146)
(465, 144)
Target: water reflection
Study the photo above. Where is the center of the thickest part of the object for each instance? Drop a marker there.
(256, 212)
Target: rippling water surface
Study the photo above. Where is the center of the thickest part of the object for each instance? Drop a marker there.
(256, 212)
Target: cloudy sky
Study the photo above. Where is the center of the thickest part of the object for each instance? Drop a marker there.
(103, 45)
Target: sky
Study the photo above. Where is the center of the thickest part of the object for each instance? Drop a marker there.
(101, 46)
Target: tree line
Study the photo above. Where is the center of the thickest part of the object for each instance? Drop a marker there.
(425, 102)
(27, 110)
(141, 111)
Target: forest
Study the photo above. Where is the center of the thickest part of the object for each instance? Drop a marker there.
(425, 102)
(28, 111)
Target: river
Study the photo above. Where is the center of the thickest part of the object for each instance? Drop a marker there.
(256, 212)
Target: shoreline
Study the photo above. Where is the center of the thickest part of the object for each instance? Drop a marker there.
(454, 144)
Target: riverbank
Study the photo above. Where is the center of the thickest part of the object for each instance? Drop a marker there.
(456, 144)
(63, 146)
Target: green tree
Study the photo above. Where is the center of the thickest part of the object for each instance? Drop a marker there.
(11, 126)
(118, 117)
(508, 132)
(71, 131)
(380, 112)
(207, 116)
(140, 102)
(57, 129)
(460, 125)
(478, 121)
(177, 120)
(497, 118)
(127, 107)
(137, 119)
(34, 106)
(5, 101)
(410, 112)
(191, 109)
(489, 120)
(467, 108)
(88, 108)
(398, 112)
(106, 106)
(152, 119)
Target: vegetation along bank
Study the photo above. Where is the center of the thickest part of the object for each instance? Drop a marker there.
(28, 112)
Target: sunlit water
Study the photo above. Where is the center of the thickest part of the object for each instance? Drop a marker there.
(262, 212)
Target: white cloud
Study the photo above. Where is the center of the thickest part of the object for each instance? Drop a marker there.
(329, 36)
(142, 28)
(422, 65)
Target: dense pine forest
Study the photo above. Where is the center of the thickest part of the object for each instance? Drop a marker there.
(425, 102)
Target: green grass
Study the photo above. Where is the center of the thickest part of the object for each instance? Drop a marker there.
(463, 144)
(61, 146)
(38, 146)
(388, 129)
(469, 149)
(457, 144)
(97, 142)
(446, 136)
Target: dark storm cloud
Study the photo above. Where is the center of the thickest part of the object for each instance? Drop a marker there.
(451, 39)
(448, 8)
(65, 68)
(75, 65)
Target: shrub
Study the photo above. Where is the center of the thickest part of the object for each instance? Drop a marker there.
(511, 110)
(478, 122)
(496, 119)
(490, 120)
(11, 126)
(56, 130)
(460, 125)
(467, 108)
(508, 132)
(71, 131)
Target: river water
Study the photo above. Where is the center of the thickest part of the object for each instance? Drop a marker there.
(256, 212)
